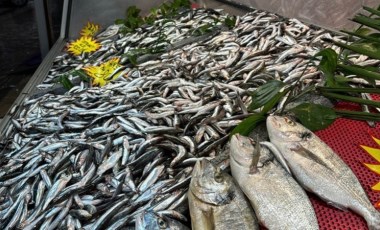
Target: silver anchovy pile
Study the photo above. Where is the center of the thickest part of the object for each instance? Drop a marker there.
(98, 157)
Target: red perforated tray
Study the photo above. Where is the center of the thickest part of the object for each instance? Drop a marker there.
(345, 136)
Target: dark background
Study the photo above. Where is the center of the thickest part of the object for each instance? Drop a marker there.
(19, 45)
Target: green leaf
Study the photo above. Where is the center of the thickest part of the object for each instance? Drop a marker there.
(120, 21)
(82, 74)
(362, 35)
(133, 11)
(132, 59)
(366, 21)
(371, 10)
(66, 83)
(363, 31)
(328, 64)
(268, 95)
(248, 124)
(313, 116)
(230, 22)
(370, 49)
(341, 81)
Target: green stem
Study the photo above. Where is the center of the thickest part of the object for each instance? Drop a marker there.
(359, 50)
(368, 38)
(360, 71)
(349, 90)
(364, 20)
(351, 99)
(372, 11)
(358, 115)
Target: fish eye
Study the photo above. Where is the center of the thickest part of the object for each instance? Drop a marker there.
(218, 178)
(162, 223)
(289, 121)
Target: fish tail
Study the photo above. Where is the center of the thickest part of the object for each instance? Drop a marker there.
(374, 220)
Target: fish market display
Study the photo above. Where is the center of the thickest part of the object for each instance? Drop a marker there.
(319, 170)
(215, 201)
(122, 155)
(279, 202)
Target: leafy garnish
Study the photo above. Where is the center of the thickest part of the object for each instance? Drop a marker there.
(313, 116)
(268, 95)
(328, 64)
(248, 124)
(230, 22)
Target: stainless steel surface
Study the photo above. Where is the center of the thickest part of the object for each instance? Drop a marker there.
(330, 14)
(42, 26)
(102, 12)
(37, 78)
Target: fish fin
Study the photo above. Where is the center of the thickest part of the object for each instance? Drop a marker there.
(276, 152)
(300, 150)
(340, 207)
(255, 158)
(200, 218)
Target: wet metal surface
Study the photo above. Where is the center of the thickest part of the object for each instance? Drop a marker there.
(19, 51)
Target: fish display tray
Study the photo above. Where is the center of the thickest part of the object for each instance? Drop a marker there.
(345, 136)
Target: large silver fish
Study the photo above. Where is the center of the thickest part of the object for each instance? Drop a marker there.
(319, 170)
(215, 202)
(279, 202)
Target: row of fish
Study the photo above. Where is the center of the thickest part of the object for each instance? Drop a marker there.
(121, 156)
(261, 45)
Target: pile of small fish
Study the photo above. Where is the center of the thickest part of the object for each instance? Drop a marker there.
(164, 34)
(122, 155)
(129, 145)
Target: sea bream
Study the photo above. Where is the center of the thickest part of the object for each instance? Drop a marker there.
(319, 170)
(215, 202)
(278, 201)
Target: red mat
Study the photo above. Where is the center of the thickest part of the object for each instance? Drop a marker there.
(345, 136)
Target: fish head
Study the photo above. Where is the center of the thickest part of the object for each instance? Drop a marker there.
(211, 185)
(242, 149)
(284, 129)
(153, 221)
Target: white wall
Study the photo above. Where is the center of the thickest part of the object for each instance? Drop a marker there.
(326, 13)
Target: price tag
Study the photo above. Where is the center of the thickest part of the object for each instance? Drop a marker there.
(83, 45)
(101, 74)
(90, 30)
